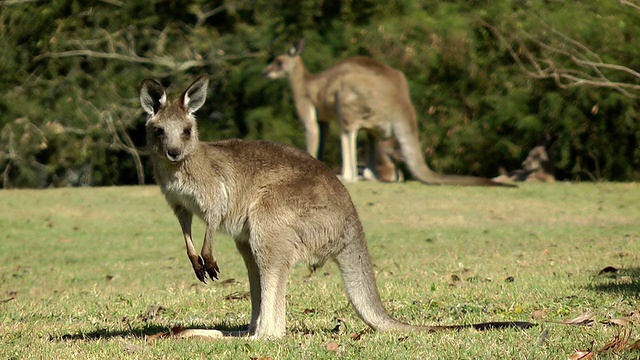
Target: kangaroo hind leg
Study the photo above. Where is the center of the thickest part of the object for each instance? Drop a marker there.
(347, 112)
(349, 156)
(254, 282)
(273, 256)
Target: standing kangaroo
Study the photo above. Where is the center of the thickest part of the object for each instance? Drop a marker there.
(361, 94)
(279, 204)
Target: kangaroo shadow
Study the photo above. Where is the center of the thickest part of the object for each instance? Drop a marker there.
(145, 331)
(624, 281)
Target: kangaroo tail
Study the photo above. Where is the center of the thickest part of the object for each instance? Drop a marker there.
(360, 285)
(415, 162)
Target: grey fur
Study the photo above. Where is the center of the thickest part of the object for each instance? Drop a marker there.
(280, 205)
(360, 93)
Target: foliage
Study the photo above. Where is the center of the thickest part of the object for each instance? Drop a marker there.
(69, 112)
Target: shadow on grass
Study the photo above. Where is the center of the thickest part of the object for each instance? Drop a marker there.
(622, 281)
(145, 331)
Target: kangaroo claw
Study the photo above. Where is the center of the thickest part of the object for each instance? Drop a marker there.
(199, 269)
(212, 270)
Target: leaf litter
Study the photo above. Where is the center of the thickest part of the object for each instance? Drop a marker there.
(152, 311)
(585, 319)
(332, 346)
(618, 345)
(237, 295)
(165, 334)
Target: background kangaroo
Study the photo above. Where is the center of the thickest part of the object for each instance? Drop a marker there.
(280, 205)
(537, 167)
(361, 94)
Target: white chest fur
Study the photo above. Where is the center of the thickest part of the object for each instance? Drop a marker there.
(180, 190)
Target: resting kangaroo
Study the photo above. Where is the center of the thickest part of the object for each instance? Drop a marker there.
(280, 205)
(361, 94)
(537, 167)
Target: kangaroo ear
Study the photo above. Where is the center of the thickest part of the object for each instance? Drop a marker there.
(152, 96)
(296, 49)
(543, 154)
(193, 98)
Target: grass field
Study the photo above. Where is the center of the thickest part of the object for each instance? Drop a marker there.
(94, 273)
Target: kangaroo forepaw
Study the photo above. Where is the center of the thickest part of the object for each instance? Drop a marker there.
(203, 267)
(212, 269)
(199, 269)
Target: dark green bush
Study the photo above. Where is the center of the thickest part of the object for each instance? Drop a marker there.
(70, 71)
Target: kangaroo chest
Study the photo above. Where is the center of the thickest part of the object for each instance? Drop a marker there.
(207, 200)
(183, 191)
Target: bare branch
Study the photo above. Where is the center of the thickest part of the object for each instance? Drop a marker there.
(121, 46)
(17, 147)
(612, 67)
(156, 60)
(164, 61)
(204, 15)
(127, 145)
(5, 176)
(589, 69)
(17, 2)
(632, 4)
(112, 2)
(539, 73)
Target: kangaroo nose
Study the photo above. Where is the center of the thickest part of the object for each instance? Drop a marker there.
(267, 73)
(172, 154)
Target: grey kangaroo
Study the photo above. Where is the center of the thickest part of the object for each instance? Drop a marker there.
(280, 205)
(360, 93)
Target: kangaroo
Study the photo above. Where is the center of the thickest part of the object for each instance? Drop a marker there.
(360, 93)
(537, 167)
(387, 161)
(279, 204)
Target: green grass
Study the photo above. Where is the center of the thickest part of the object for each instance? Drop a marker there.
(80, 267)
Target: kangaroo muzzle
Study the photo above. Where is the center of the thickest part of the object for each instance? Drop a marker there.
(173, 154)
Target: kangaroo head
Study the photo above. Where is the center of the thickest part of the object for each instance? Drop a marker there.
(284, 65)
(537, 156)
(171, 125)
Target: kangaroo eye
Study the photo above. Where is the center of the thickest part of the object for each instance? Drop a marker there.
(159, 131)
(186, 132)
